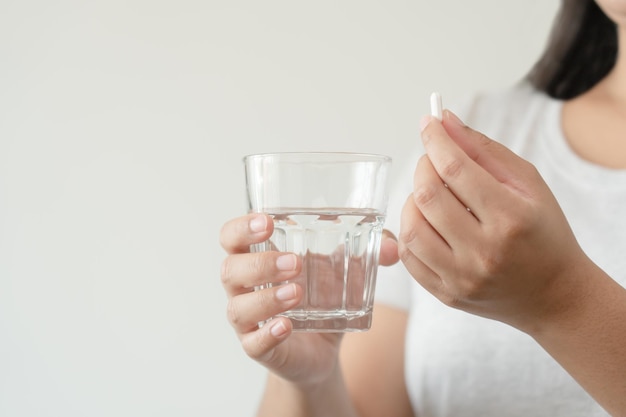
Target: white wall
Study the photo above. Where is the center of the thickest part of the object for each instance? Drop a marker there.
(122, 127)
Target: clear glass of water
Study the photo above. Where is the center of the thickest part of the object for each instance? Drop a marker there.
(329, 209)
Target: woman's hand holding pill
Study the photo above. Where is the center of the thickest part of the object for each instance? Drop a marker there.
(483, 232)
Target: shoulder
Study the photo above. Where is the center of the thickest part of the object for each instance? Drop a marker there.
(508, 116)
(513, 103)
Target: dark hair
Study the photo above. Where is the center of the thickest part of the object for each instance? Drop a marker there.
(581, 50)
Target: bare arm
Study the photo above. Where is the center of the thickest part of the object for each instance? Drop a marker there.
(587, 336)
(284, 399)
(373, 364)
(368, 382)
(484, 234)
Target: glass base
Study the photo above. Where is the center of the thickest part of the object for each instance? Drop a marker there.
(329, 322)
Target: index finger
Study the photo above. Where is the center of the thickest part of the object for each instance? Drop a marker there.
(238, 234)
(467, 180)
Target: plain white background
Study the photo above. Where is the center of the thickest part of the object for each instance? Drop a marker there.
(122, 128)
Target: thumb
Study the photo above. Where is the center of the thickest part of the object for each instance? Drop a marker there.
(388, 249)
(494, 157)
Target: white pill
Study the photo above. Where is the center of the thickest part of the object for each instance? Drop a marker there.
(436, 109)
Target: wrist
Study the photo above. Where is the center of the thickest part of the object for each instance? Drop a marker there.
(586, 335)
(321, 398)
(566, 303)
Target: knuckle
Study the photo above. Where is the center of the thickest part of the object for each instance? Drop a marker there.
(223, 237)
(266, 300)
(450, 292)
(423, 162)
(410, 248)
(451, 168)
(424, 194)
(490, 264)
(450, 300)
(481, 138)
(404, 252)
(468, 290)
(513, 230)
(506, 237)
(406, 238)
(488, 261)
(260, 348)
(225, 274)
(254, 346)
(231, 232)
(533, 170)
(233, 313)
(516, 226)
(427, 134)
(261, 262)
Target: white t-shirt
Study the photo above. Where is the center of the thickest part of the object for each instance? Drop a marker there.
(458, 364)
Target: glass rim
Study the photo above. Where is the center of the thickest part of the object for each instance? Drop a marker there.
(343, 156)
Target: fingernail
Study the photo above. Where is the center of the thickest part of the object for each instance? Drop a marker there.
(451, 117)
(258, 224)
(286, 292)
(424, 121)
(278, 329)
(286, 262)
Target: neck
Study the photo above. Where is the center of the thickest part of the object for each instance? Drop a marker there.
(614, 84)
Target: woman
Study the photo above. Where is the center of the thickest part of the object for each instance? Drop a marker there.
(533, 250)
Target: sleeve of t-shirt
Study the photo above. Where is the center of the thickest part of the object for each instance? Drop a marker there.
(394, 283)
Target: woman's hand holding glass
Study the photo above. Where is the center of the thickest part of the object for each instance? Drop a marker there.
(301, 358)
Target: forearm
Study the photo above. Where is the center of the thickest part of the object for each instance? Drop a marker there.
(589, 338)
(284, 399)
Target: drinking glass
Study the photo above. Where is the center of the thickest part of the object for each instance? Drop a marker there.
(328, 208)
